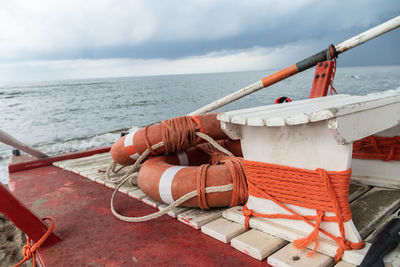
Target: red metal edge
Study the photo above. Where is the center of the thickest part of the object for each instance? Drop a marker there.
(48, 161)
(24, 218)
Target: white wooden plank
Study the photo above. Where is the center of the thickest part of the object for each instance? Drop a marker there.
(110, 184)
(344, 264)
(307, 108)
(96, 170)
(369, 101)
(226, 116)
(196, 218)
(72, 161)
(368, 209)
(88, 164)
(289, 256)
(357, 190)
(175, 211)
(257, 244)
(354, 126)
(223, 229)
(100, 180)
(291, 115)
(287, 108)
(327, 246)
(94, 176)
(151, 202)
(127, 187)
(297, 119)
(137, 194)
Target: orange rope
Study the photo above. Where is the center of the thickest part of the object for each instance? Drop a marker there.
(320, 190)
(201, 185)
(374, 147)
(29, 251)
(333, 72)
(178, 134)
(236, 169)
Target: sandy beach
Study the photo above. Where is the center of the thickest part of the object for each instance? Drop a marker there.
(11, 242)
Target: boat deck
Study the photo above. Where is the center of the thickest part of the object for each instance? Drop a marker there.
(86, 225)
(92, 236)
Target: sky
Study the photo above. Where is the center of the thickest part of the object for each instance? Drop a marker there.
(75, 39)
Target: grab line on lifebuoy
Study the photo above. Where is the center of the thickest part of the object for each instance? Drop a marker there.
(128, 175)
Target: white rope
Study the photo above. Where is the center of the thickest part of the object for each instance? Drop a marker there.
(214, 143)
(130, 173)
(212, 189)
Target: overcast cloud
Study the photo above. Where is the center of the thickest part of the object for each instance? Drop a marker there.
(42, 40)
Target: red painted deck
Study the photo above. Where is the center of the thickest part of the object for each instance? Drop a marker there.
(92, 236)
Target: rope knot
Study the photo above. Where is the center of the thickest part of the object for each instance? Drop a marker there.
(312, 237)
(247, 214)
(27, 250)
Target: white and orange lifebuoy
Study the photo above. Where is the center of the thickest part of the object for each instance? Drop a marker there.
(166, 178)
(178, 134)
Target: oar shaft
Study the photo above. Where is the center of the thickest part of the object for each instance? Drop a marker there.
(11, 141)
(368, 35)
(302, 65)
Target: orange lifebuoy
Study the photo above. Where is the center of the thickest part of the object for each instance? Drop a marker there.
(166, 178)
(178, 134)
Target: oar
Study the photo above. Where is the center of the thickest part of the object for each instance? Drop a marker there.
(11, 141)
(303, 65)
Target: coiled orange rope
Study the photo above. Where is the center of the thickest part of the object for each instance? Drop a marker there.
(178, 134)
(29, 251)
(376, 147)
(320, 190)
(236, 169)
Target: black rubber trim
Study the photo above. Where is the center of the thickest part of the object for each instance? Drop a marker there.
(318, 57)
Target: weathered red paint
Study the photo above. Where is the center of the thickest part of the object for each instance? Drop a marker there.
(322, 79)
(23, 218)
(48, 161)
(92, 236)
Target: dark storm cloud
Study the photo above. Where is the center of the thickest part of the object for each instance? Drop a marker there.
(149, 30)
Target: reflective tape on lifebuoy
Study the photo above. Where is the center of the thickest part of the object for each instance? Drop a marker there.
(128, 148)
(165, 179)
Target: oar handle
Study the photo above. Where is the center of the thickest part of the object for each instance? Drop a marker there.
(11, 141)
(332, 51)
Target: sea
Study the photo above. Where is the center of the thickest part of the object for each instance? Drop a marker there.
(63, 116)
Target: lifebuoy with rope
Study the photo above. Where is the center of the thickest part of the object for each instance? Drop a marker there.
(177, 134)
(282, 99)
(167, 178)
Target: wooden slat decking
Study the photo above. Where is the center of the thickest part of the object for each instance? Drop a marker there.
(371, 208)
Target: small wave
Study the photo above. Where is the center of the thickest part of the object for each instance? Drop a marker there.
(60, 147)
(355, 76)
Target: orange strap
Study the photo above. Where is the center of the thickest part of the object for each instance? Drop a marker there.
(376, 147)
(320, 190)
(29, 251)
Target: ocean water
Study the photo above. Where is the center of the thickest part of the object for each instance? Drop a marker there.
(71, 115)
